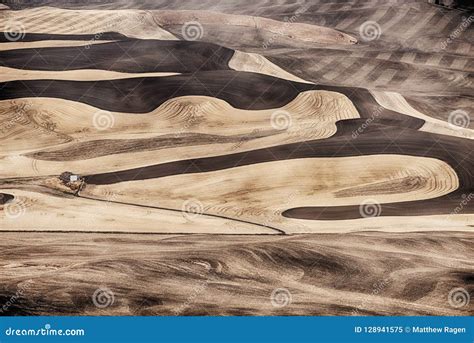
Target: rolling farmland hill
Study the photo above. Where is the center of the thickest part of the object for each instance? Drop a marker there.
(213, 158)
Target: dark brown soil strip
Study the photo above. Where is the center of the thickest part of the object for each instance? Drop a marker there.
(370, 110)
(141, 56)
(141, 95)
(34, 37)
(448, 204)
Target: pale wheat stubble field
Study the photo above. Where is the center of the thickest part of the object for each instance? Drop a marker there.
(216, 158)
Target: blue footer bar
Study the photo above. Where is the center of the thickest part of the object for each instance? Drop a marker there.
(237, 329)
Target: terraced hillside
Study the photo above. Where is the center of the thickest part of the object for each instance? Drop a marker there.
(210, 158)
